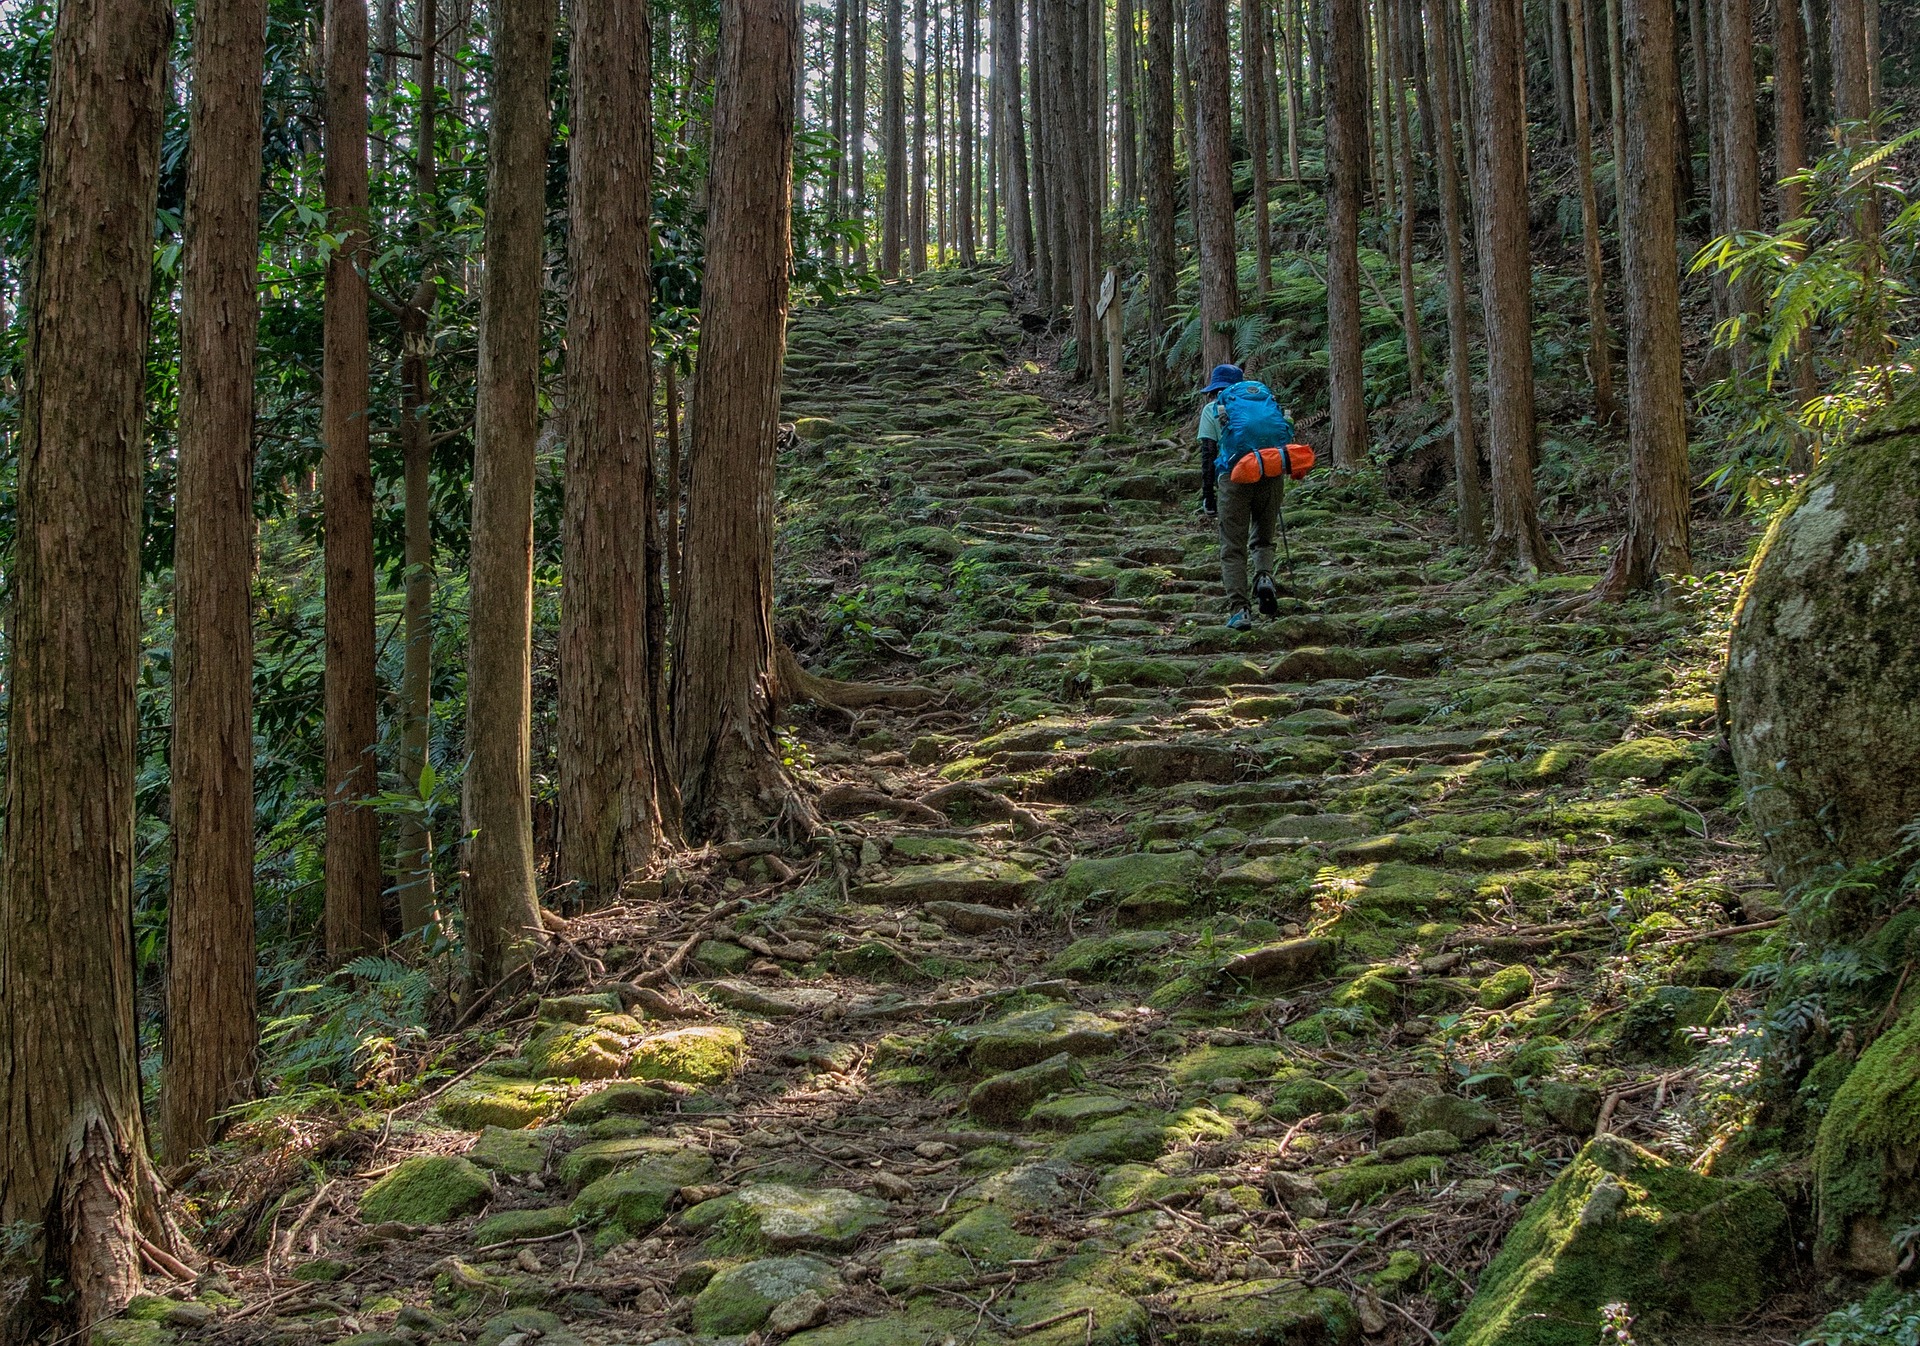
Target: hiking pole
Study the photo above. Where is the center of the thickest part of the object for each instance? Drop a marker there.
(1285, 548)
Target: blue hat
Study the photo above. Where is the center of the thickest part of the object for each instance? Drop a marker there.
(1223, 376)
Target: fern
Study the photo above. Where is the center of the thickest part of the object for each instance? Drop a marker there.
(348, 1028)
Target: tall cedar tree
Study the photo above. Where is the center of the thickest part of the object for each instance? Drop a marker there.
(616, 800)
(413, 846)
(1346, 183)
(893, 124)
(1468, 504)
(731, 777)
(1599, 358)
(1252, 57)
(73, 1170)
(1740, 137)
(1219, 258)
(1161, 260)
(1657, 545)
(353, 879)
(209, 1046)
(917, 184)
(1010, 130)
(503, 908)
(858, 130)
(1506, 279)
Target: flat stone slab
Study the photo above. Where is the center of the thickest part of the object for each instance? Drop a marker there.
(779, 1218)
(1031, 1036)
(988, 882)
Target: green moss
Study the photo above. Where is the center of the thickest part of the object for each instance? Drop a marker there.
(1362, 1182)
(1097, 1315)
(772, 1217)
(487, 1100)
(1109, 957)
(1636, 815)
(1208, 1064)
(703, 1055)
(1648, 759)
(130, 1332)
(426, 1189)
(986, 1234)
(518, 1152)
(1300, 1094)
(618, 1100)
(1866, 1176)
(1509, 986)
(1622, 1225)
(1118, 877)
(597, 1158)
(576, 1051)
(739, 1298)
(1251, 1313)
(920, 1323)
(521, 1224)
(633, 1200)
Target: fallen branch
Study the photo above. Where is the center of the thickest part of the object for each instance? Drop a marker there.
(1695, 935)
(163, 1260)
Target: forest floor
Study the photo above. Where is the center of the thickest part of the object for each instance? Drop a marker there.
(1172, 984)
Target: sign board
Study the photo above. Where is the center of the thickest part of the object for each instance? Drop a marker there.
(1107, 288)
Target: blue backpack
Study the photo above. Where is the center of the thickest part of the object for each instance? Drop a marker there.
(1250, 420)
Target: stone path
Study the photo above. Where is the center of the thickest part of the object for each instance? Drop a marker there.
(1174, 984)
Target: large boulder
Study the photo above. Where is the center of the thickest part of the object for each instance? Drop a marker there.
(1823, 669)
(1866, 1161)
(1621, 1225)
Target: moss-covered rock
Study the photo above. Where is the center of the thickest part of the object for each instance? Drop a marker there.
(986, 1235)
(1109, 957)
(1361, 1182)
(617, 1100)
(526, 1325)
(1301, 1094)
(1623, 1225)
(1005, 1097)
(1071, 1311)
(520, 1153)
(1027, 1036)
(739, 1298)
(1071, 1112)
(597, 1158)
(915, 1264)
(1867, 1155)
(707, 1054)
(989, 882)
(1115, 878)
(488, 1100)
(921, 1322)
(427, 1189)
(1262, 1312)
(1509, 986)
(579, 1009)
(507, 1226)
(776, 1218)
(1649, 759)
(1823, 666)
(634, 1199)
(1207, 1064)
(576, 1051)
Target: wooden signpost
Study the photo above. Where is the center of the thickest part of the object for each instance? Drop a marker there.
(1109, 311)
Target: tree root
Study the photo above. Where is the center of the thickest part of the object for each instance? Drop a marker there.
(794, 685)
(850, 801)
(988, 804)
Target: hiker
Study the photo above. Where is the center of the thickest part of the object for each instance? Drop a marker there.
(1245, 509)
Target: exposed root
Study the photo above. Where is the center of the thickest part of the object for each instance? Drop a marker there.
(988, 804)
(850, 801)
(795, 685)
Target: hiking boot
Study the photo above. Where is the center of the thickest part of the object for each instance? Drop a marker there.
(1266, 596)
(1242, 620)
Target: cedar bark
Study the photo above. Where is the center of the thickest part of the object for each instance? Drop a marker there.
(210, 1038)
(413, 845)
(1044, 212)
(1160, 197)
(1657, 545)
(1470, 508)
(837, 175)
(893, 115)
(724, 689)
(1219, 255)
(917, 214)
(503, 908)
(966, 172)
(1599, 358)
(1252, 57)
(1125, 62)
(857, 118)
(1741, 143)
(1789, 107)
(74, 1164)
(1009, 126)
(1346, 182)
(1409, 299)
(1506, 286)
(353, 878)
(1559, 35)
(616, 805)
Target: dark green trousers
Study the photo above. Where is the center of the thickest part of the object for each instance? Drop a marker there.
(1247, 515)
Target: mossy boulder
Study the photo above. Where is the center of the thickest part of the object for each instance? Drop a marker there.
(1072, 1112)
(1116, 878)
(920, 1322)
(1005, 1097)
(1262, 1312)
(1867, 1155)
(576, 1052)
(520, 1153)
(773, 1217)
(636, 1198)
(986, 1235)
(707, 1054)
(1362, 1181)
(1301, 1094)
(618, 1100)
(739, 1299)
(1648, 759)
(1204, 1065)
(1823, 666)
(1509, 986)
(915, 1264)
(1109, 957)
(1029, 1036)
(579, 1009)
(539, 1222)
(989, 882)
(597, 1158)
(487, 1100)
(427, 1189)
(1622, 1225)
(527, 1324)
(1071, 1311)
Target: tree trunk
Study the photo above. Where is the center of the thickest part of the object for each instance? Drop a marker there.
(74, 1176)
(353, 878)
(1295, 112)
(1409, 299)
(1189, 20)
(1741, 145)
(1009, 125)
(1045, 254)
(1506, 286)
(942, 142)
(724, 690)
(1657, 546)
(210, 1038)
(1471, 512)
(616, 804)
(837, 175)
(917, 221)
(1558, 38)
(965, 174)
(858, 120)
(413, 846)
(1125, 62)
(503, 907)
(1161, 261)
(1346, 182)
(894, 114)
(1219, 256)
(1789, 108)
(1599, 358)
(1252, 57)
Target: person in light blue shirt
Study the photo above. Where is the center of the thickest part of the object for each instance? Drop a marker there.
(1247, 513)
